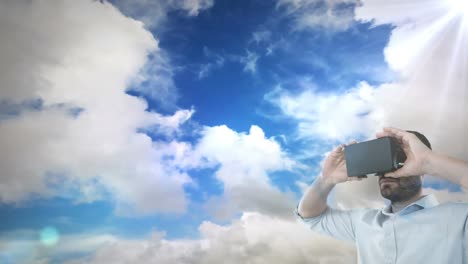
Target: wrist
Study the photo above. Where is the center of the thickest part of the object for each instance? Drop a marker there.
(325, 182)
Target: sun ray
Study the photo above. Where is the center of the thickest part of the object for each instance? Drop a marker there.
(460, 6)
(416, 52)
(451, 76)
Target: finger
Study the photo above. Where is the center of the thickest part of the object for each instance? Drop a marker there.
(395, 132)
(389, 174)
(382, 134)
(339, 148)
(352, 142)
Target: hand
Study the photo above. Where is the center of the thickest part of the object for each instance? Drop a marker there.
(334, 167)
(417, 154)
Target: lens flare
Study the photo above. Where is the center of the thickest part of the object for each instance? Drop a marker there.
(49, 236)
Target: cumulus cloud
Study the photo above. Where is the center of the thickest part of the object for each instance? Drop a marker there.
(86, 138)
(24, 246)
(268, 233)
(245, 161)
(427, 50)
(155, 80)
(334, 115)
(335, 15)
(255, 238)
(84, 63)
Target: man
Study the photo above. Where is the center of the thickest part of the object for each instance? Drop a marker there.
(413, 228)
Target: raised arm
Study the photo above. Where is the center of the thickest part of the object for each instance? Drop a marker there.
(314, 200)
(450, 168)
(313, 208)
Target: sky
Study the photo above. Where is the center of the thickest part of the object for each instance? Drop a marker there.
(186, 131)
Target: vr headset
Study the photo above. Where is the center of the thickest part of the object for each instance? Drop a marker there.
(377, 156)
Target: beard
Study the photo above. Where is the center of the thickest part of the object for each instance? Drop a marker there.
(402, 189)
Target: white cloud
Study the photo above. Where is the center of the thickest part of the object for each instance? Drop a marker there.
(330, 115)
(273, 46)
(154, 13)
(428, 48)
(194, 7)
(205, 70)
(216, 61)
(269, 51)
(84, 61)
(24, 246)
(335, 15)
(250, 62)
(102, 151)
(245, 162)
(255, 238)
(261, 36)
(359, 194)
(155, 80)
(263, 39)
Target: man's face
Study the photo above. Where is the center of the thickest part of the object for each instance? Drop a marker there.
(399, 189)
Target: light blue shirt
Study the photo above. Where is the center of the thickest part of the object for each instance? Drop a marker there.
(423, 232)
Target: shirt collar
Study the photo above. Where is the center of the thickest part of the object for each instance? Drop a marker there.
(427, 201)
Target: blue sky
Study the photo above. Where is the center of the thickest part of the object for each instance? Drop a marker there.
(201, 114)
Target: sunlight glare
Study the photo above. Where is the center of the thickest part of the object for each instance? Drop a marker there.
(459, 5)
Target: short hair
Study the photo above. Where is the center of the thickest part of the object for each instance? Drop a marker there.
(421, 137)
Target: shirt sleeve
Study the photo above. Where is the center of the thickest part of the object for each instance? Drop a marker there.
(332, 222)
